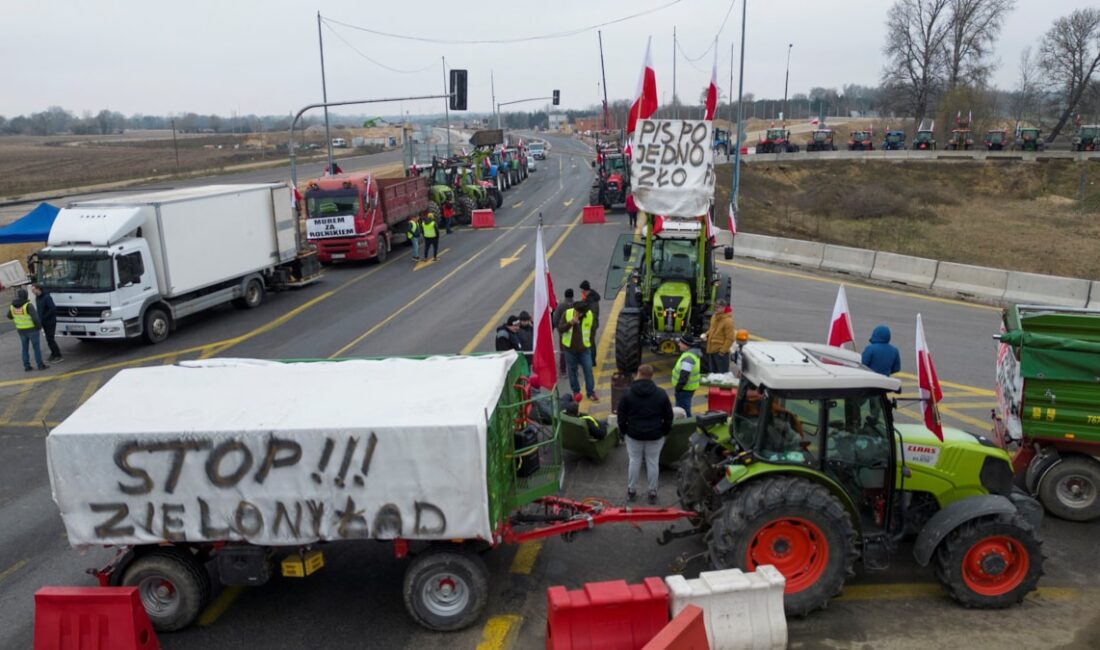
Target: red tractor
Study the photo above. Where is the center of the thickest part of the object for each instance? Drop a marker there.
(612, 183)
(961, 138)
(861, 141)
(996, 140)
(776, 140)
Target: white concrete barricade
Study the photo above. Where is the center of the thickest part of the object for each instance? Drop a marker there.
(760, 247)
(966, 280)
(1094, 296)
(856, 261)
(798, 251)
(914, 271)
(1036, 289)
(742, 611)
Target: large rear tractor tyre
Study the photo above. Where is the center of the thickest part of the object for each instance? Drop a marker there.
(497, 198)
(465, 213)
(991, 562)
(446, 589)
(628, 343)
(594, 196)
(797, 526)
(1071, 489)
(433, 207)
(173, 587)
(157, 326)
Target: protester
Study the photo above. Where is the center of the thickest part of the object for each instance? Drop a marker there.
(576, 326)
(431, 236)
(47, 315)
(589, 295)
(632, 210)
(596, 429)
(645, 418)
(25, 316)
(508, 335)
(448, 217)
(565, 303)
(414, 236)
(880, 355)
(720, 337)
(687, 372)
(526, 335)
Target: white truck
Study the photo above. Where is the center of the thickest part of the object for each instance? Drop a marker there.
(131, 266)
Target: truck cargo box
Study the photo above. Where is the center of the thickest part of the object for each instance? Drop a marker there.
(402, 197)
(281, 454)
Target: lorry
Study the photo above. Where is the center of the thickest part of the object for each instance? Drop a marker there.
(354, 216)
(812, 474)
(1048, 405)
(136, 265)
(258, 481)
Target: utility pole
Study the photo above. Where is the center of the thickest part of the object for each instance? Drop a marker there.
(603, 75)
(324, 93)
(787, 81)
(740, 89)
(675, 104)
(730, 91)
(447, 106)
(493, 90)
(175, 145)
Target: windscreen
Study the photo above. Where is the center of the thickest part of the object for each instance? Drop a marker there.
(776, 134)
(674, 258)
(996, 137)
(894, 137)
(1088, 132)
(332, 204)
(76, 273)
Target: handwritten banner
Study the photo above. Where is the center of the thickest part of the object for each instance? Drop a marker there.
(672, 170)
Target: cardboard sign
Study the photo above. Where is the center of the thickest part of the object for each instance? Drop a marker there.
(325, 227)
(672, 170)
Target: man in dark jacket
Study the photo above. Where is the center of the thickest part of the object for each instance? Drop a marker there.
(881, 356)
(526, 335)
(645, 418)
(590, 296)
(47, 315)
(23, 313)
(507, 335)
(565, 303)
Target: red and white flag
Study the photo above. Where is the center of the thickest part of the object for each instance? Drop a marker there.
(929, 383)
(712, 235)
(544, 360)
(645, 97)
(840, 328)
(814, 122)
(712, 89)
(733, 219)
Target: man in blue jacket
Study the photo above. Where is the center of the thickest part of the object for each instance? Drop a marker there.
(47, 314)
(880, 355)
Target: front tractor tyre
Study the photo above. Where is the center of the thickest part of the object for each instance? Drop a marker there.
(797, 526)
(628, 343)
(465, 213)
(446, 589)
(990, 562)
(173, 586)
(1071, 489)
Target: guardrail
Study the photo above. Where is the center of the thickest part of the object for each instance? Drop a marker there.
(958, 156)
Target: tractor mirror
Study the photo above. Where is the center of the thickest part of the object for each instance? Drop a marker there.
(627, 250)
(727, 253)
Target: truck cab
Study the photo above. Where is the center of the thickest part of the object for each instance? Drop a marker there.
(343, 218)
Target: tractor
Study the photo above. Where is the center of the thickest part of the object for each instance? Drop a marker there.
(488, 158)
(516, 171)
(722, 144)
(1087, 138)
(612, 183)
(960, 139)
(821, 140)
(924, 140)
(811, 474)
(454, 185)
(671, 282)
(861, 141)
(776, 140)
(1029, 139)
(894, 141)
(996, 140)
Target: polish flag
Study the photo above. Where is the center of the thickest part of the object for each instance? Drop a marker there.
(733, 219)
(712, 89)
(645, 97)
(544, 360)
(711, 230)
(840, 328)
(930, 393)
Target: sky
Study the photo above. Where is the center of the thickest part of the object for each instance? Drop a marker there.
(261, 56)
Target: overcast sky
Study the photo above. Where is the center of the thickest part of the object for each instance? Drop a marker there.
(261, 56)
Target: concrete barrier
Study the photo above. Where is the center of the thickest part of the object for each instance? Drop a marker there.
(855, 261)
(1035, 289)
(758, 247)
(1094, 296)
(741, 611)
(913, 271)
(966, 280)
(800, 252)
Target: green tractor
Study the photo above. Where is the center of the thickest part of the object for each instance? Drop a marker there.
(671, 281)
(451, 180)
(812, 474)
(1029, 138)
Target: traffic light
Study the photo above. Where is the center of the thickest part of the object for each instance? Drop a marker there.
(458, 90)
(557, 97)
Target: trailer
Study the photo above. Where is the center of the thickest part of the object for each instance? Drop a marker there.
(253, 466)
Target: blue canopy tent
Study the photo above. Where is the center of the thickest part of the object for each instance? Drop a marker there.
(32, 227)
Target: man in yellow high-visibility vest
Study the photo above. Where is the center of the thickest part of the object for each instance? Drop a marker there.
(688, 371)
(576, 327)
(23, 314)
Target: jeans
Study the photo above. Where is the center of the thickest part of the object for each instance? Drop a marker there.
(415, 241)
(683, 400)
(719, 362)
(431, 244)
(584, 358)
(49, 327)
(448, 222)
(651, 450)
(29, 338)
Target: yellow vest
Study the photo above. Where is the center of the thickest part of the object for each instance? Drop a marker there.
(694, 375)
(429, 229)
(586, 329)
(22, 317)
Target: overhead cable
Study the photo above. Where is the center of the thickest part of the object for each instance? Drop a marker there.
(377, 63)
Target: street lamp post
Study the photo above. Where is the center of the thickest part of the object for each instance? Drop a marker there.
(787, 80)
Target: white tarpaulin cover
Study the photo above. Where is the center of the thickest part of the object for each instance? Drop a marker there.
(280, 454)
(672, 169)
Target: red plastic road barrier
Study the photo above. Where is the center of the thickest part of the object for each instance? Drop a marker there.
(483, 219)
(91, 618)
(592, 214)
(685, 632)
(721, 399)
(605, 615)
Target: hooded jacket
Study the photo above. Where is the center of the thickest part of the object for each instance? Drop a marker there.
(720, 335)
(645, 412)
(18, 302)
(880, 355)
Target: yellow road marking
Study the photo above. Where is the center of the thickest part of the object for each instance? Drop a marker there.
(607, 339)
(858, 285)
(516, 206)
(969, 405)
(426, 262)
(172, 360)
(524, 561)
(12, 569)
(505, 261)
(499, 632)
(217, 607)
(89, 389)
(9, 410)
(948, 411)
(49, 402)
(975, 391)
(568, 203)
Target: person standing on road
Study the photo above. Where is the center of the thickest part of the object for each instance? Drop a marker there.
(23, 313)
(526, 335)
(559, 311)
(720, 337)
(507, 335)
(589, 295)
(881, 356)
(632, 210)
(431, 236)
(687, 372)
(47, 315)
(645, 418)
(576, 341)
(414, 236)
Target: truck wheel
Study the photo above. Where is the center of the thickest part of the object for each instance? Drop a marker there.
(157, 325)
(383, 249)
(1071, 489)
(794, 524)
(990, 562)
(253, 295)
(446, 589)
(628, 343)
(173, 587)
(465, 212)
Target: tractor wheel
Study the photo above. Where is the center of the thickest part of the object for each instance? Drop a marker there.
(497, 197)
(1071, 489)
(465, 213)
(433, 207)
(628, 343)
(722, 150)
(797, 526)
(695, 481)
(594, 196)
(760, 149)
(446, 589)
(991, 562)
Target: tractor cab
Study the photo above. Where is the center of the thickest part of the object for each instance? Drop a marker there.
(924, 140)
(861, 141)
(821, 140)
(1087, 138)
(773, 135)
(1029, 139)
(996, 140)
(722, 143)
(894, 141)
(612, 183)
(960, 139)
(440, 191)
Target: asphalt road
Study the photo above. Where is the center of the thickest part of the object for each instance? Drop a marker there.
(453, 305)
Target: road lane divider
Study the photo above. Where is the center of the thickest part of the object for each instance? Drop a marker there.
(499, 632)
(6, 573)
(426, 262)
(218, 606)
(524, 561)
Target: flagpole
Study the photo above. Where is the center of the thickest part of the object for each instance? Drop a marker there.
(740, 115)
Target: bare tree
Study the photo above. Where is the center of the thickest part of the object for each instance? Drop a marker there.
(1024, 98)
(1069, 56)
(975, 25)
(916, 31)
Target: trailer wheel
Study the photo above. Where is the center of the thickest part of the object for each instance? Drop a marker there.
(446, 589)
(991, 562)
(253, 295)
(173, 587)
(1071, 489)
(157, 325)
